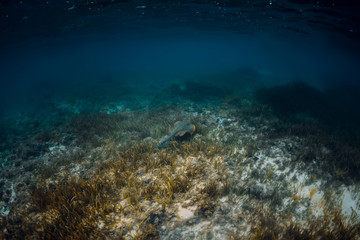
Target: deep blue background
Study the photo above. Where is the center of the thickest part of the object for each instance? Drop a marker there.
(53, 47)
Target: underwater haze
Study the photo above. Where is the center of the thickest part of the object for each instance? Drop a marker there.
(136, 119)
(165, 42)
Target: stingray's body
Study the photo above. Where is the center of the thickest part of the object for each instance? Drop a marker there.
(179, 129)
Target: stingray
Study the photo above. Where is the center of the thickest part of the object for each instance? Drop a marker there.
(179, 129)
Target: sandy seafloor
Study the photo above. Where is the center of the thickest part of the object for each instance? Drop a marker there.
(243, 174)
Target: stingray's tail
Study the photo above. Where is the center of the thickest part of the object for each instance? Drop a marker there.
(163, 142)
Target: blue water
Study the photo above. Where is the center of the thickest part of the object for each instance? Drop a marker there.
(159, 43)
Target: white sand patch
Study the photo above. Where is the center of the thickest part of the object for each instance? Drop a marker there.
(301, 177)
(350, 201)
(75, 170)
(57, 149)
(4, 210)
(224, 199)
(185, 213)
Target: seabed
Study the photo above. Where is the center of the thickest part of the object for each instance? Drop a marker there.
(246, 173)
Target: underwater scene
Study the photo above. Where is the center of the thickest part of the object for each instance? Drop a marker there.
(194, 119)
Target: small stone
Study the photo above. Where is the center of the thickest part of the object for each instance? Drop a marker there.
(262, 191)
(209, 236)
(156, 218)
(184, 213)
(255, 173)
(191, 221)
